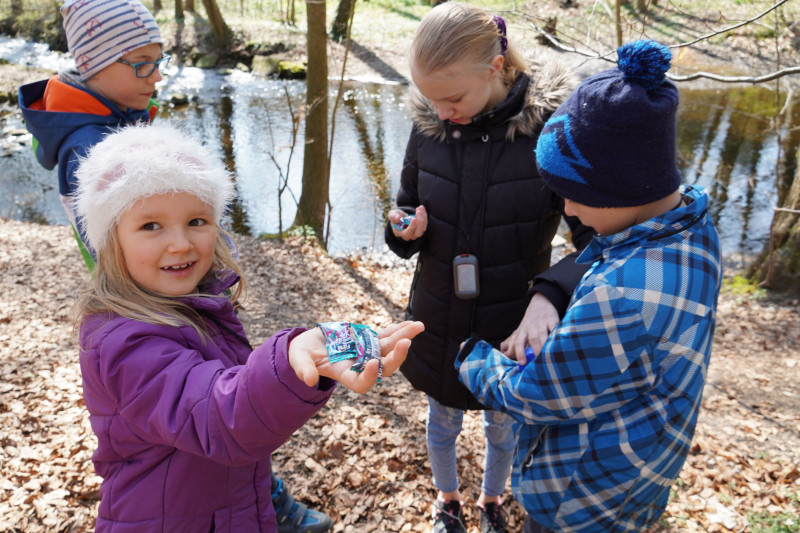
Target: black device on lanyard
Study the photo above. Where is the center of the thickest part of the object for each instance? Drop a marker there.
(465, 276)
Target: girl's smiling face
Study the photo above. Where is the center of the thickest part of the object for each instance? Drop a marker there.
(168, 242)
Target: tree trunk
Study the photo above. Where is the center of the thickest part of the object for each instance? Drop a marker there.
(618, 21)
(189, 5)
(339, 26)
(641, 6)
(778, 266)
(157, 6)
(222, 34)
(314, 196)
(179, 9)
(16, 8)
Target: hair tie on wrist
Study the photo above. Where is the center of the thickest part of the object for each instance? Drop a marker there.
(501, 26)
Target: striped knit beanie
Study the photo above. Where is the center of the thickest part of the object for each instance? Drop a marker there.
(101, 31)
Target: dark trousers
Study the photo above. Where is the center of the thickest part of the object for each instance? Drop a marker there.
(532, 527)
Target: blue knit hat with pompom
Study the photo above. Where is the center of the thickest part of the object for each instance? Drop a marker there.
(612, 142)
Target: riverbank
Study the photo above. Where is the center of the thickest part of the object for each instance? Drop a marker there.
(382, 32)
(362, 459)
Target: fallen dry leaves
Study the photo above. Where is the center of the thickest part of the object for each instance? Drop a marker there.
(363, 459)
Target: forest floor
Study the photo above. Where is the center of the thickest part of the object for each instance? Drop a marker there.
(362, 459)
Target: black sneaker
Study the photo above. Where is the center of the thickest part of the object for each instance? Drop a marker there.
(296, 517)
(493, 518)
(448, 517)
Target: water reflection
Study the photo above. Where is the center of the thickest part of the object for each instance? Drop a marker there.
(726, 139)
(252, 119)
(728, 144)
(372, 146)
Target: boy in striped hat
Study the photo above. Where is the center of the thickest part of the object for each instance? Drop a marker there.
(118, 56)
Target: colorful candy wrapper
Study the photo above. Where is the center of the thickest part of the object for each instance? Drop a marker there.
(344, 340)
(339, 341)
(404, 222)
(369, 348)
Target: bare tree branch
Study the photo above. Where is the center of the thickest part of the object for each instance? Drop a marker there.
(729, 28)
(737, 79)
(608, 56)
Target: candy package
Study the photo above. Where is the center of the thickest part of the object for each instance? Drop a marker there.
(344, 340)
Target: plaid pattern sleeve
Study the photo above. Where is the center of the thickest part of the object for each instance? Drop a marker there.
(608, 409)
(594, 362)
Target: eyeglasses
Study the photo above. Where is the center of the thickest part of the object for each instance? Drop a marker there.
(146, 68)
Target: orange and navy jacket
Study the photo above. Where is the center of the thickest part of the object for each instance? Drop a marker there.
(65, 121)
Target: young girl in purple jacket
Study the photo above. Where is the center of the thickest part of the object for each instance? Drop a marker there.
(185, 411)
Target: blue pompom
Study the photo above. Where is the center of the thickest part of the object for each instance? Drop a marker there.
(644, 62)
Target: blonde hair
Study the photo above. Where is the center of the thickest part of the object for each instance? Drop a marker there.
(453, 32)
(114, 291)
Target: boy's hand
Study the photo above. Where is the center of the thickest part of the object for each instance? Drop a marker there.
(309, 358)
(540, 319)
(415, 228)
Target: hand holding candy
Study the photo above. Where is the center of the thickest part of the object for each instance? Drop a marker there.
(404, 222)
(409, 227)
(540, 319)
(308, 357)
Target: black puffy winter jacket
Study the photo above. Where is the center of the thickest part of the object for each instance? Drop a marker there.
(483, 194)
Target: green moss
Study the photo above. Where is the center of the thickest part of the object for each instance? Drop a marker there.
(292, 70)
(741, 285)
(783, 522)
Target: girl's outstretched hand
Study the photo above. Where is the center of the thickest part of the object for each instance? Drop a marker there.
(309, 358)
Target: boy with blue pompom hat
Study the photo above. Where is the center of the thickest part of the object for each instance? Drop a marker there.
(607, 410)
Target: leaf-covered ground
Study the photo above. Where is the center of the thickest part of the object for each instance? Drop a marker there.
(362, 459)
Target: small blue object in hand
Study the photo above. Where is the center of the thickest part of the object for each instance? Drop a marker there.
(404, 222)
(529, 355)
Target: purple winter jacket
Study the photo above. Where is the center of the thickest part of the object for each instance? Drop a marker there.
(185, 427)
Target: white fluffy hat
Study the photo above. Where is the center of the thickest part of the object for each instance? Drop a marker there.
(140, 161)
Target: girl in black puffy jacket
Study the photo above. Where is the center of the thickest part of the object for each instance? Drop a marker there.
(483, 223)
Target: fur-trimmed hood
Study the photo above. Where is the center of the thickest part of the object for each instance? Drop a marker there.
(548, 85)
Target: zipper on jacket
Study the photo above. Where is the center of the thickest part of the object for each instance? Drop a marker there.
(527, 461)
(414, 281)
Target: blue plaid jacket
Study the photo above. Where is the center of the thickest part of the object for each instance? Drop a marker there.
(607, 411)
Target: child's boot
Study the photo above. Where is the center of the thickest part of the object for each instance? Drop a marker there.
(493, 518)
(293, 516)
(448, 517)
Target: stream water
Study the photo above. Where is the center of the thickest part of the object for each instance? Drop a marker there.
(727, 144)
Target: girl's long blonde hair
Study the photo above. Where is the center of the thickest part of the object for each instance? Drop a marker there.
(114, 291)
(455, 32)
